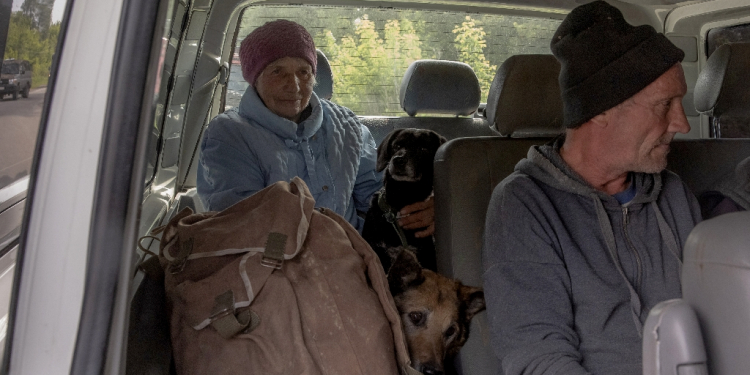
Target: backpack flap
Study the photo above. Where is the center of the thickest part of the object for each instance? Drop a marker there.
(250, 239)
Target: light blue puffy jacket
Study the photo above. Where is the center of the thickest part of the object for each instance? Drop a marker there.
(248, 148)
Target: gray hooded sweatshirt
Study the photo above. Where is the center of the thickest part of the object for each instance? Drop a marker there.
(571, 274)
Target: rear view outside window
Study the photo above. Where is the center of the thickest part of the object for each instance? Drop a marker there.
(370, 48)
(728, 126)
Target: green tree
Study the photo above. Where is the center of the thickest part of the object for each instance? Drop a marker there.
(402, 48)
(40, 14)
(25, 42)
(367, 67)
(470, 43)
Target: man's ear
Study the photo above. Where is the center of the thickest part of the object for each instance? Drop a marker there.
(405, 271)
(385, 151)
(602, 119)
(472, 299)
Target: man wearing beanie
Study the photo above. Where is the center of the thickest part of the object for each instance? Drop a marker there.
(586, 236)
(281, 129)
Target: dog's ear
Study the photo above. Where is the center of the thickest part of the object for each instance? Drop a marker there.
(472, 300)
(441, 138)
(385, 151)
(405, 271)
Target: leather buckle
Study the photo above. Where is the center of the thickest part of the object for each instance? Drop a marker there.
(273, 256)
(271, 262)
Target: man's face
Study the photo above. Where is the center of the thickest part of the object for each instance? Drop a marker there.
(285, 86)
(644, 125)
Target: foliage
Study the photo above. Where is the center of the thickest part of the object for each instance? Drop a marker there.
(39, 13)
(371, 67)
(470, 42)
(26, 42)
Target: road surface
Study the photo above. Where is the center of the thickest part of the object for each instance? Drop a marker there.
(19, 124)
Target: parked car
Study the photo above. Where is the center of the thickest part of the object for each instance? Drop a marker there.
(135, 82)
(15, 78)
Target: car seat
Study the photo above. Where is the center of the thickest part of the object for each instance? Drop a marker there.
(468, 169)
(706, 331)
(526, 91)
(436, 87)
(323, 77)
(721, 88)
(439, 86)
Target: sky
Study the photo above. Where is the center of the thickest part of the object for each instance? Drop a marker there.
(57, 9)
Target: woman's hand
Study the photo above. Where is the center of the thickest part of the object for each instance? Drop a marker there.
(419, 215)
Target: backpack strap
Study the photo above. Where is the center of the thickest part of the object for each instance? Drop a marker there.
(229, 317)
(228, 321)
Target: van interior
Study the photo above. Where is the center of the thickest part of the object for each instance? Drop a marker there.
(519, 106)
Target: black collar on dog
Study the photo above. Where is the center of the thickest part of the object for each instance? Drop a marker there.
(390, 217)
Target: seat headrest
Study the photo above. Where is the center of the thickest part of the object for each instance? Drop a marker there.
(721, 87)
(323, 77)
(524, 98)
(439, 86)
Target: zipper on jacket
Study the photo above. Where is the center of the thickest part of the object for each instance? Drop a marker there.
(632, 248)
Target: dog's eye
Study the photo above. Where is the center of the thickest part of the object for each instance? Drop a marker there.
(450, 332)
(416, 317)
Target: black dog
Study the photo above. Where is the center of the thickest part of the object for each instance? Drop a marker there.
(406, 155)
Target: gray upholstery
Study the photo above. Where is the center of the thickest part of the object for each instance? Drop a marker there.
(702, 162)
(524, 98)
(323, 77)
(438, 86)
(672, 341)
(468, 169)
(716, 283)
(466, 172)
(721, 88)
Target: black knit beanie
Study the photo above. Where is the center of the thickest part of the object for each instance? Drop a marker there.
(604, 60)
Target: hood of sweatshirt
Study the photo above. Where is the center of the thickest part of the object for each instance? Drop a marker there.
(545, 164)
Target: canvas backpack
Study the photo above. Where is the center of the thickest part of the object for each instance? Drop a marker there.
(272, 285)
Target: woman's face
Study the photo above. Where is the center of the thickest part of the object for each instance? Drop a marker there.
(285, 86)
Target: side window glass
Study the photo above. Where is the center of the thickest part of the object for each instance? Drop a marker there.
(29, 33)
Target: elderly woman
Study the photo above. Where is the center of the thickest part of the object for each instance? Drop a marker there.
(282, 129)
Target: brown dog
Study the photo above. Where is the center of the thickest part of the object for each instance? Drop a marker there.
(435, 311)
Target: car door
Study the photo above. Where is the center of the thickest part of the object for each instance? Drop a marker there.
(75, 249)
(23, 44)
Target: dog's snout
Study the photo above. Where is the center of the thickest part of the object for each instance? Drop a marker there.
(429, 369)
(399, 160)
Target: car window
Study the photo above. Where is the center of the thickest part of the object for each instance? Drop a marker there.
(370, 48)
(729, 125)
(10, 67)
(28, 39)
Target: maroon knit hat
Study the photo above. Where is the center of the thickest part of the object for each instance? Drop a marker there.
(272, 41)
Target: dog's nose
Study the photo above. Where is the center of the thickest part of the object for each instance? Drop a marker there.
(399, 161)
(431, 370)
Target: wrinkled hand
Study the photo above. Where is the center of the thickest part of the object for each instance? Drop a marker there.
(419, 215)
